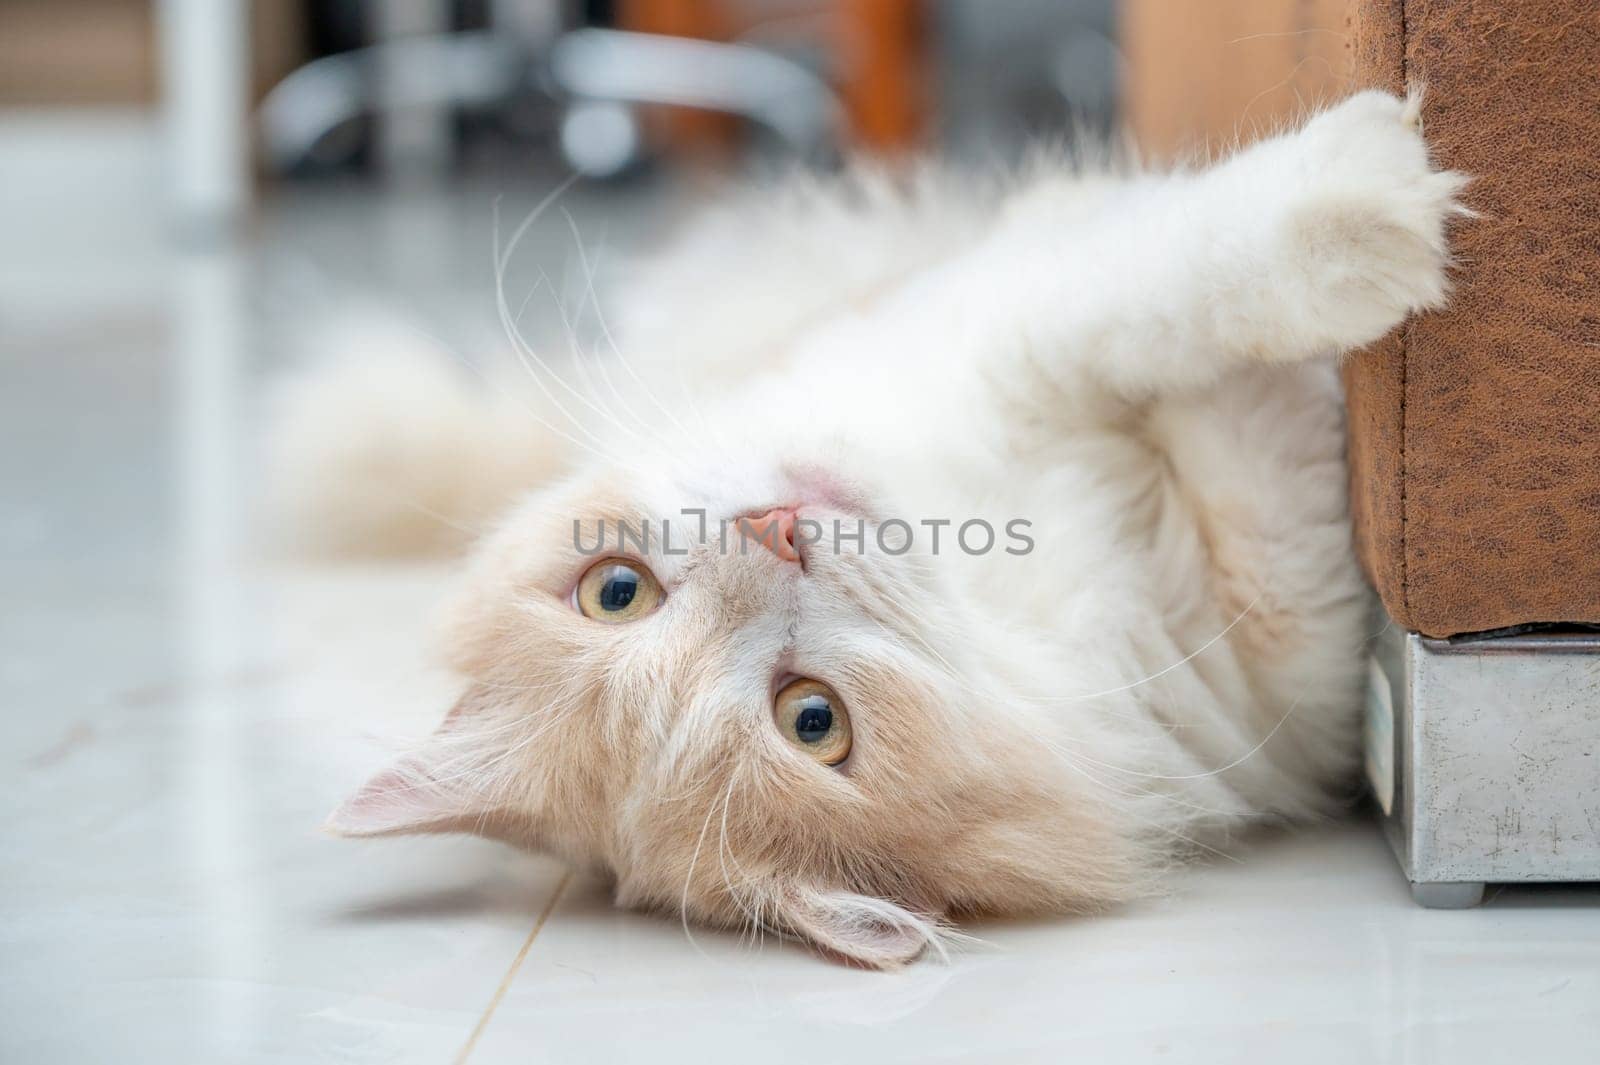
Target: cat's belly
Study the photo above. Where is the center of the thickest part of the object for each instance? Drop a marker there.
(1210, 545)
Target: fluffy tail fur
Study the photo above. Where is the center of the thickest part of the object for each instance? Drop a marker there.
(387, 447)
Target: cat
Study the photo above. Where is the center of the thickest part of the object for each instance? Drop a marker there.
(996, 559)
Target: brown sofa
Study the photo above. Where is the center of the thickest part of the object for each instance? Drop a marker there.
(1475, 458)
(1475, 432)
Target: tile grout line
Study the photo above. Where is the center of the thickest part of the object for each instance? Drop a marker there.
(516, 964)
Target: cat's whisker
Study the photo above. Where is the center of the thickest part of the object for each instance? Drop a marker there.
(1075, 761)
(1256, 748)
(1158, 674)
(688, 879)
(467, 364)
(580, 365)
(574, 355)
(443, 519)
(593, 358)
(707, 425)
(723, 857)
(529, 358)
(687, 394)
(1145, 794)
(1234, 764)
(500, 389)
(593, 300)
(1084, 696)
(955, 675)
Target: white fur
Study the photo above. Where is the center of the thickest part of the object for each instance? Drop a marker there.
(1142, 367)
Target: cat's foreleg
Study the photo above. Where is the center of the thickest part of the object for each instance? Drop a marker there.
(1309, 244)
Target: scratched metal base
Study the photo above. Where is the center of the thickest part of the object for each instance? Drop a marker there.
(1485, 757)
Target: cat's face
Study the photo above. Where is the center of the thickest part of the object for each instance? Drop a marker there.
(802, 740)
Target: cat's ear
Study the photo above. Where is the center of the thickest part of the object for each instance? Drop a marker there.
(871, 932)
(409, 796)
(440, 787)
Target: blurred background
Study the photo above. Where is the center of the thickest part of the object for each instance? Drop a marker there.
(190, 185)
(257, 99)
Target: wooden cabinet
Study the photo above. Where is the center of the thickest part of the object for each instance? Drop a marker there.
(1201, 72)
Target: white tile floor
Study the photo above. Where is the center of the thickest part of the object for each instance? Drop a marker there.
(178, 717)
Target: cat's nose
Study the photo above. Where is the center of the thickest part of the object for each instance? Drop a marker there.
(773, 530)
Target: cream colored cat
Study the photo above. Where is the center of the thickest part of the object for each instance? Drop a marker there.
(856, 739)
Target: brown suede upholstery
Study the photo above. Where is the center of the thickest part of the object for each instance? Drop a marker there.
(1475, 432)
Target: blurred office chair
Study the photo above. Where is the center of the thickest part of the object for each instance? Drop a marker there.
(815, 78)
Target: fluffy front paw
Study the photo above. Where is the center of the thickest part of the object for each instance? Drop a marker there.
(1368, 226)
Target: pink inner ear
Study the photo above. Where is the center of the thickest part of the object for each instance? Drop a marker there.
(402, 798)
(869, 931)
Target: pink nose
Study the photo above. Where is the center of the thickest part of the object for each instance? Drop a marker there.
(773, 530)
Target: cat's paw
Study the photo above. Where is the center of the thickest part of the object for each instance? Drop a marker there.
(1369, 224)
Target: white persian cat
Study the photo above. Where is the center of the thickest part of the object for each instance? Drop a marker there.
(1024, 567)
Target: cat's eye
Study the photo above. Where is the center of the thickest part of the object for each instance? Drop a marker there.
(615, 590)
(814, 719)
